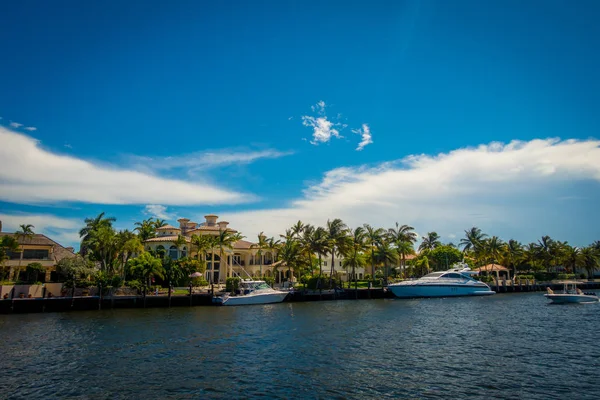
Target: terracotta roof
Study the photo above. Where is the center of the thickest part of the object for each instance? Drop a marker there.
(59, 252)
(243, 244)
(167, 228)
(170, 238)
(492, 267)
(410, 256)
(210, 228)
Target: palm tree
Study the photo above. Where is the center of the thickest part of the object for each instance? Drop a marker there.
(591, 260)
(128, 245)
(272, 246)
(146, 229)
(513, 255)
(103, 244)
(159, 223)
(226, 239)
(372, 239)
(146, 266)
(430, 241)
(353, 258)
(473, 238)
(386, 255)
(403, 238)
(492, 250)
(202, 244)
(545, 251)
(337, 233)
(320, 245)
(91, 225)
(24, 234)
(8, 244)
(289, 252)
(180, 241)
(297, 229)
(572, 258)
(261, 245)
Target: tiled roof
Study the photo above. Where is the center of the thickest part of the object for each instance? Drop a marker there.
(167, 228)
(492, 267)
(171, 238)
(242, 245)
(210, 228)
(59, 252)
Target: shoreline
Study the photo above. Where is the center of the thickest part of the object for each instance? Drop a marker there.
(89, 303)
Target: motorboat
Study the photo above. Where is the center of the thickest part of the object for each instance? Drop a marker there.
(571, 294)
(251, 292)
(457, 281)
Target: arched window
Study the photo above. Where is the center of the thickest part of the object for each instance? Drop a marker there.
(173, 252)
(184, 252)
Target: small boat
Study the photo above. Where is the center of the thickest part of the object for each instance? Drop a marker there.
(251, 292)
(571, 294)
(457, 281)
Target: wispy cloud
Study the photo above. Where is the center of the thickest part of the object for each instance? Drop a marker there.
(159, 211)
(323, 128)
(365, 134)
(30, 128)
(204, 160)
(33, 174)
(15, 124)
(442, 192)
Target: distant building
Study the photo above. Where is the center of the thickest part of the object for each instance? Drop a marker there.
(35, 249)
(243, 258)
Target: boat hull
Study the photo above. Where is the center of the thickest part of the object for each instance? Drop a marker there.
(416, 291)
(571, 298)
(260, 298)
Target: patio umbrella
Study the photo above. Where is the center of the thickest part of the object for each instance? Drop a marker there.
(196, 275)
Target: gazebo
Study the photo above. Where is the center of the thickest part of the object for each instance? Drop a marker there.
(497, 268)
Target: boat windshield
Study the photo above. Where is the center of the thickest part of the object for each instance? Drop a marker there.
(254, 285)
(433, 275)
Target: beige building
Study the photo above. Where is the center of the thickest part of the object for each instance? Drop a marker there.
(242, 259)
(35, 249)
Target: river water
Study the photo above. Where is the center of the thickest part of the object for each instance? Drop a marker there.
(503, 346)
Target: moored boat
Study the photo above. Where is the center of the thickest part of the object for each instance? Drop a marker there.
(571, 294)
(454, 282)
(252, 292)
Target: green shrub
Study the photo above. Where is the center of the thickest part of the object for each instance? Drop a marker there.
(134, 284)
(116, 281)
(200, 281)
(232, 284)
(525, 277)
(269, 280)
(566, 276)
(545, 276)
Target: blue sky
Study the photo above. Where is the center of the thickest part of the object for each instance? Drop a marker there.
(182, 109)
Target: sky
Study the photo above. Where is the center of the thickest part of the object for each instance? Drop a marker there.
(440, 115)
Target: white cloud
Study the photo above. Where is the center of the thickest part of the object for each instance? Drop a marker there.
(366, 137)
(32, 174)
(201, 161)
(489, 185)
(65, 231)
(15, 124)
(30, 128)
(323, 129)
(159, 211)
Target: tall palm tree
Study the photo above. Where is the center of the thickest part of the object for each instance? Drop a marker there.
(353, 257)
(307, 243)
(8, 244)
(103, 244)
(25, 233)
(202, 244)
(473, 238)
(297, 229)
(403, 238)
(179, 242)
(273, 246)
(260, 245)
(128, 245)
(146, 229)
(430, 241)
(159, 223)
(386, 255)
(513, 255)
(337, 233)
(544, 246)
(146, 266)
(91, 225)
(591, 260)
(492, 250)
(320, 245)
(289, 253)
(372, 239)
(226, 240)
(572, 258)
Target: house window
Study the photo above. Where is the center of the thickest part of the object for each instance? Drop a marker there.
(340, 263)
(173, 252)
(184, 252)
(30, 254)
(14, 255)
(324, 263)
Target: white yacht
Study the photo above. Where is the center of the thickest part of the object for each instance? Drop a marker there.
(457, 281)
(252, 292)
(571, 294)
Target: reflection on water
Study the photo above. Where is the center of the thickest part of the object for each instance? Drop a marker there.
(504, 346)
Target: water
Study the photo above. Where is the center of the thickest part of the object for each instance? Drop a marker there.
(504, 346)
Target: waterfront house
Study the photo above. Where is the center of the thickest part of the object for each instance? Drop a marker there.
(39, 249)
(242, 258)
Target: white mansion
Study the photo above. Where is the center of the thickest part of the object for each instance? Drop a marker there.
(242, 258)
